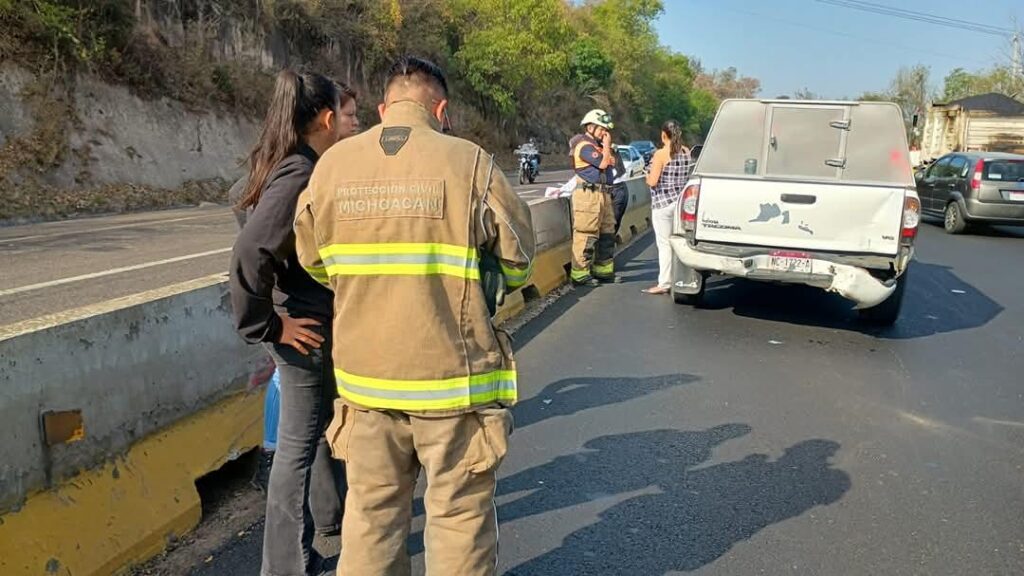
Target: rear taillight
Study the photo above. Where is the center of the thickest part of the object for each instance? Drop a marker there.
(978, 169)
(688, 211)
(911, 217)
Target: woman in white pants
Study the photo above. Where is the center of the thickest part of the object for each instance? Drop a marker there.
(667, 178)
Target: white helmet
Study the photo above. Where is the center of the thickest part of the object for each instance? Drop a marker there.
(598, 117)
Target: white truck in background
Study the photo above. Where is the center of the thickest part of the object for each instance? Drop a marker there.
(816, 193)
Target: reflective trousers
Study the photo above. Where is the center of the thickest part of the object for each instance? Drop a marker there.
(593, 235)
(384, 452)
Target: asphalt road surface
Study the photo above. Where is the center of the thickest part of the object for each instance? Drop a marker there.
(768, 433)
(57, 266)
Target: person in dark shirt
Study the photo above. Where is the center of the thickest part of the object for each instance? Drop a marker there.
(325, 501)
(620, 195)
(235, 198)
(277, 303)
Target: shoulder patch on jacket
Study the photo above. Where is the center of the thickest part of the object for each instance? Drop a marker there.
(393, 138)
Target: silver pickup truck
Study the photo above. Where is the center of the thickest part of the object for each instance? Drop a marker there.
(816, 193)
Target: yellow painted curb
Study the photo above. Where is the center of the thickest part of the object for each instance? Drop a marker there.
(109, 518)
(548, 274)
(514, 304)
(549, 269)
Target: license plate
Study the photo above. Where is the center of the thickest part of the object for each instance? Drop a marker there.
(795, 262)
(1018, 196)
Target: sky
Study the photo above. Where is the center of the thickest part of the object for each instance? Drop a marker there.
(835, 52)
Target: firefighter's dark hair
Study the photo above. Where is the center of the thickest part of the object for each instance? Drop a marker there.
(417, 69)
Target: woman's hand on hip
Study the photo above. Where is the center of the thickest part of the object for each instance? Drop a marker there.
(295, 333)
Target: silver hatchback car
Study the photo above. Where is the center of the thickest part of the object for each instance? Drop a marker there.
(966, 188)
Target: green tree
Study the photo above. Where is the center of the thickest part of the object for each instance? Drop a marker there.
(66, 32)
(875, 97)
(625, 31)
(590, 70)
(508, 44)
(960, 83)
(669, 89)
(427, 29)
(705, 106)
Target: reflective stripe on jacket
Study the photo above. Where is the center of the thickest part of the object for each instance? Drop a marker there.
(394, 221)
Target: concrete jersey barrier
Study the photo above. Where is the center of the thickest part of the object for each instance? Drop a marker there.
(128, 366)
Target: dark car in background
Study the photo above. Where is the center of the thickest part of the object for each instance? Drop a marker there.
(966, 188)
(646, 148)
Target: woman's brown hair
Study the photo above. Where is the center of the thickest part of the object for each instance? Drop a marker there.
(298, 98)
(674, 131)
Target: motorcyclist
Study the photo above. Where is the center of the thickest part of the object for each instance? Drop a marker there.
(531, 153)
(536, 151)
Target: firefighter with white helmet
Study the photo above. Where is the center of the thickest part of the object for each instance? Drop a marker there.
(593, 231)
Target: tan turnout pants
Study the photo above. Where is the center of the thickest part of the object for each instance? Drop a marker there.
(593, 234)
(383, 453)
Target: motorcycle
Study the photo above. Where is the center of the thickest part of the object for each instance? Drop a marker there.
(529, 162)
(529, 166)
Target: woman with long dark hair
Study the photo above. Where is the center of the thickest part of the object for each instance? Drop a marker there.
(667, 179)
(280, 305)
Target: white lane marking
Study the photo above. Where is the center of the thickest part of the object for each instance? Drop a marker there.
(105, 228)
(61, 281)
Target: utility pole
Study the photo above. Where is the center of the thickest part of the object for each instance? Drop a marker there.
(1017, 57)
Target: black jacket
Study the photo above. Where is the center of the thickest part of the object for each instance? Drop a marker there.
(234, 197)
(266, 278)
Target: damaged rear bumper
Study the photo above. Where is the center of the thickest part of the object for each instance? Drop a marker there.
(851, 282)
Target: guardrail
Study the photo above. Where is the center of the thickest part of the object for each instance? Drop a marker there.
(112, 411)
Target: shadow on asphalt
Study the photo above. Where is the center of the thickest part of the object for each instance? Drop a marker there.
(573, 395)
(688, 517)
(937, 301)
(640, 270)
(639, 264)
(984, 230)
(565, 398)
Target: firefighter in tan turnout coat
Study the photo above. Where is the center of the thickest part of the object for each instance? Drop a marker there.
(396, 221)
(593, 216)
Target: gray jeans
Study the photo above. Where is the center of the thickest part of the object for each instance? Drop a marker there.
(306, 491)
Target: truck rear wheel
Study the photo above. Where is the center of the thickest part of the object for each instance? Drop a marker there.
(886, 313)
